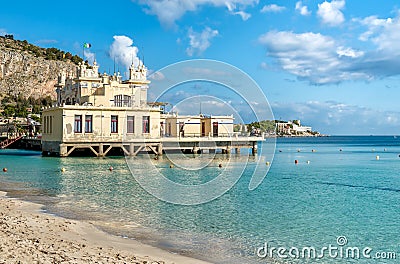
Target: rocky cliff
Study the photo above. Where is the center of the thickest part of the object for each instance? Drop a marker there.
(30, 70)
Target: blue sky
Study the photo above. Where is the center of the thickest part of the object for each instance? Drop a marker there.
(333, 64)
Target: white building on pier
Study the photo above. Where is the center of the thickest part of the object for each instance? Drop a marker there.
(99, 112)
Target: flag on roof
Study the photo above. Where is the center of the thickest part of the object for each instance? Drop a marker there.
(87, 45)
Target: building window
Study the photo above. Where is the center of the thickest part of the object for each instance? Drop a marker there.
(88, 124)
(114, 124)
(130, 123)
(146, 124)
(51, 125)
(122, 100)
(78, 124)
(45, 125)
(46, 122)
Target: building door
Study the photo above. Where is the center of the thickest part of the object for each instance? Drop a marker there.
(181, 129)
(203, 129)
(215, 129)
(162, 129)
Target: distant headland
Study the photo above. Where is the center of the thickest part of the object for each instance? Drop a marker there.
(278, 128)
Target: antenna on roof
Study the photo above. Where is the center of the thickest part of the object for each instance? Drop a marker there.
(114, 63)
(200, 109)
(143, 55)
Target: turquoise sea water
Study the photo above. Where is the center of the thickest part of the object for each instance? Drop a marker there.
(337, 193)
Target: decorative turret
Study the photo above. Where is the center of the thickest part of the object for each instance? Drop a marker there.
(81, 70)
(61, 78)
(138, 74)
(89, 87)
(131, 71)
(95, 70)
(88, 72)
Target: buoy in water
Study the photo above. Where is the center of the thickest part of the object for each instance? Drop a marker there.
(267, 163)
(62, 169)
(296, 161)
(340, 150)
(313, 150)
(111, 168)
(308, 162)
(377, 157)
(5, 169)
(220, 165)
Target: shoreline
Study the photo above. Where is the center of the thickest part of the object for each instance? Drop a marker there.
(28, 234)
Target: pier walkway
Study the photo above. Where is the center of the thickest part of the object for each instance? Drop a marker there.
(158, 146)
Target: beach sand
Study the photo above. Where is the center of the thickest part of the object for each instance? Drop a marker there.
(28, 235)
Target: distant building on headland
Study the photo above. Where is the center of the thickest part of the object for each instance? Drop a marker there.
(294, 128)
(100, 112)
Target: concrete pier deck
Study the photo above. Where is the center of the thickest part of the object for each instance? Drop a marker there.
(157, 146)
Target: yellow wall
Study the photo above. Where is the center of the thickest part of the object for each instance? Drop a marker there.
(193, 125)
(171, 127)
(52, 124)
(63, 124)
(225, 125)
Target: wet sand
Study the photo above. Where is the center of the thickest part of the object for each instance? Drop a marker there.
(28, 235)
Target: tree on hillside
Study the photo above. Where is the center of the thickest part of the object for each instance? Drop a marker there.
(264, 126)
(17, 105)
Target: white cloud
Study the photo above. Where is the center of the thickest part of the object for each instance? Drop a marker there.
(245, 16)
(302, 54)
(332, 117)
(45, 41)
(89, 56)
(349, 52)
(264, 65)
(191, 105)
(302, 9)
(374, 24)
(157, 76)
(384, 33)
(169, 11)
(314, 57)
(272, 8)
(322, 59)
(200, 41)
(3, 32)
(123, 51)
(330, 12)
